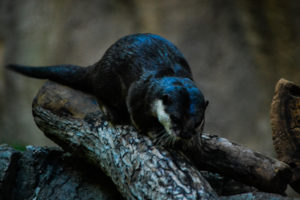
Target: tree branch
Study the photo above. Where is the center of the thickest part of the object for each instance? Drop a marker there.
(240, 163)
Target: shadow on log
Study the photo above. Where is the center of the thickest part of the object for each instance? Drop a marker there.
(49, 173)
(138, 168)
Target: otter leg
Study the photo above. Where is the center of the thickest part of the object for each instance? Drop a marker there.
(113, 115)
(110, 115)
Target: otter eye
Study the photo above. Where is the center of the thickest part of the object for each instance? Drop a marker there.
(166, 99)
(175, 119)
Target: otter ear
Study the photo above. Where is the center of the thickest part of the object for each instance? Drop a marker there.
(206, 104)
(166, 99)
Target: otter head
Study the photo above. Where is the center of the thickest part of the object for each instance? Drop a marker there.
(179, 107)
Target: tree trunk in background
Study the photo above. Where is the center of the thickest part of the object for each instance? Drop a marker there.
(237, 51)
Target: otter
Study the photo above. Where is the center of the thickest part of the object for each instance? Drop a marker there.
(142, 79)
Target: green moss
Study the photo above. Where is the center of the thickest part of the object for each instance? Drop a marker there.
(19, 147)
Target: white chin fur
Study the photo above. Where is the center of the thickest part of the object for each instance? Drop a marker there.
(158, 110)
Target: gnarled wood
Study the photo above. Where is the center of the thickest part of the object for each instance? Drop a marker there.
(74, 121)
(137, 168)
(240, 163)
(255, 196)
(285, 121)
(50, 174)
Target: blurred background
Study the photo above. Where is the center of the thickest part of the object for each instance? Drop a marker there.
(237, 50)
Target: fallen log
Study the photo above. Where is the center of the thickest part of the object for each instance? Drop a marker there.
(220, 155)
(135, 165)
(73, 120)
(285, 122)
(255, 196)
(52, 174)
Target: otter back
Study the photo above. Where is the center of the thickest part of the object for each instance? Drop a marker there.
(143, 79)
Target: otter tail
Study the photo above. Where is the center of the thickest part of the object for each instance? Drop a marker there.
(73, 76)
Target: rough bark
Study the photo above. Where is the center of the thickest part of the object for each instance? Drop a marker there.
(137, 168)
(64, 115)
(285, 121)
(255, 196)
(39, 171)
(238, 162)
(49, 173)
(8, 168)
(225, 186)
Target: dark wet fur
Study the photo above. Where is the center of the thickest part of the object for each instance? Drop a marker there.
(131, 74)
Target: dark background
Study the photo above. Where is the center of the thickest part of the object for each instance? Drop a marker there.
(237, 49)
